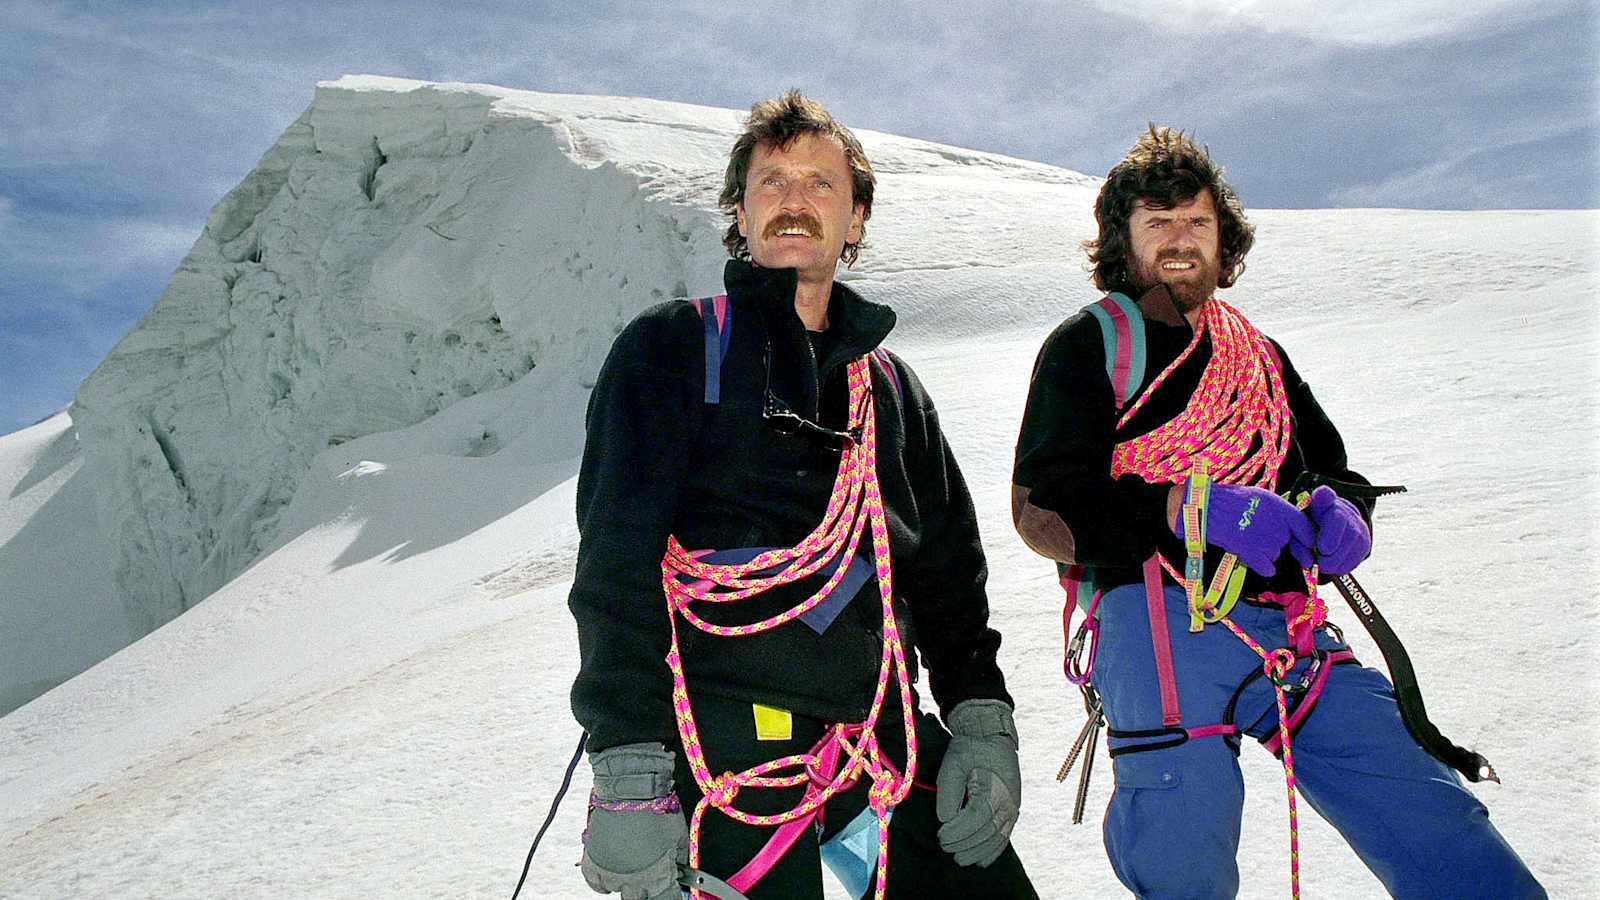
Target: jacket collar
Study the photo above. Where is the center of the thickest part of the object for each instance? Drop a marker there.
(1158, 305)
(857, 325)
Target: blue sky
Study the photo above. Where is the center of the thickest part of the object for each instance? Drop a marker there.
(121, 125)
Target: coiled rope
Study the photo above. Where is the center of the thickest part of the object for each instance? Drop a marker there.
(855, 507)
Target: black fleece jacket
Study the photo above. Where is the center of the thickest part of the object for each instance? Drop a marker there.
(658, 460)
(1063, 456)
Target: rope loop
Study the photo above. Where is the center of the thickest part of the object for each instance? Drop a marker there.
(1279, 663)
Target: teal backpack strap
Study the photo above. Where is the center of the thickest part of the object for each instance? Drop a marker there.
(1122, 330)
(1075, 579)
(718, 329)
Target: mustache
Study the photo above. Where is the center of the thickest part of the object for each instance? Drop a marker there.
(793, 220)
(1184, 255)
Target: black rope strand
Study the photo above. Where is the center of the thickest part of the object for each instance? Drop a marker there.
(566, 782)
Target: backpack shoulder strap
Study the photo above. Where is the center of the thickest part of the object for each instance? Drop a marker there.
(887, 362)
(1122, 330)
(717, 316)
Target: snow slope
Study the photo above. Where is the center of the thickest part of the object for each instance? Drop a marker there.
(376, 705)
(59, 609)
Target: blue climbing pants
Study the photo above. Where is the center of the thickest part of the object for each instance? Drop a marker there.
(1172, 829)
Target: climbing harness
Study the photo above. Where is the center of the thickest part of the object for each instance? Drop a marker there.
(1239, 401)
(847, 751)
(1234, 430)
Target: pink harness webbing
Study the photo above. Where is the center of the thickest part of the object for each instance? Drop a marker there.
(1161, 640)
(1122, 366)
(848, 750)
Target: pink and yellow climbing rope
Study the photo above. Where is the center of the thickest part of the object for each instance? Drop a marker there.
(1240, 402)
(848, 751)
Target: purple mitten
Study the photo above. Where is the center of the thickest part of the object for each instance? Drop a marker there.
(1254, 524)
(1343, 538)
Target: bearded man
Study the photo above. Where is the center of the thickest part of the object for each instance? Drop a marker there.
(1159, 430)
(773, 530)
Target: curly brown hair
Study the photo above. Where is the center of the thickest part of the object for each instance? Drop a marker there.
(778, 123)
(1165, 168)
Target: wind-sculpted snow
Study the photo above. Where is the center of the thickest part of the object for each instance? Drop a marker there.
(402, 247)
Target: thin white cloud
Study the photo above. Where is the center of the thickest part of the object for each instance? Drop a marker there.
(1379, 22)
(1457, 180)
(82, 256)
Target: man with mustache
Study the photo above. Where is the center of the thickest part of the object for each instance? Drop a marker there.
(774, 530)
(1136, 405)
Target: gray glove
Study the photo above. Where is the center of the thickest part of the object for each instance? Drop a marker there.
(980, 782)
(637, 836)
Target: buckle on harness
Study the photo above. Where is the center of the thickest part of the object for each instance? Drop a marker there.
(705, 883)
(1338, 633)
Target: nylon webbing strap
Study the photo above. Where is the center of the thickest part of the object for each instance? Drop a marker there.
(882, 356)
(1122, 332)
(717, 331)
(1408, 694)
(1161, 641)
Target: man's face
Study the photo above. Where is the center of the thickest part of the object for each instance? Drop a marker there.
(1180, 246)
(798, 211)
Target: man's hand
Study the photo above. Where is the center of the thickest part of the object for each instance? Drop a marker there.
(980, 783)
(1255, 525)
(637, 837)
(1343, 538)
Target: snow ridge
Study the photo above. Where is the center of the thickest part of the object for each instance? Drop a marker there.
(402, 246)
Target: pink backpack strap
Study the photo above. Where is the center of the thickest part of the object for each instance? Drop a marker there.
(1122, 333)
(887, 361)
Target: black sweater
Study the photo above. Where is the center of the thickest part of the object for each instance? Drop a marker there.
(660, 461)
(1068, 431)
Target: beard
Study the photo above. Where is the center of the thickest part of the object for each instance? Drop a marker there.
(1189, 288)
